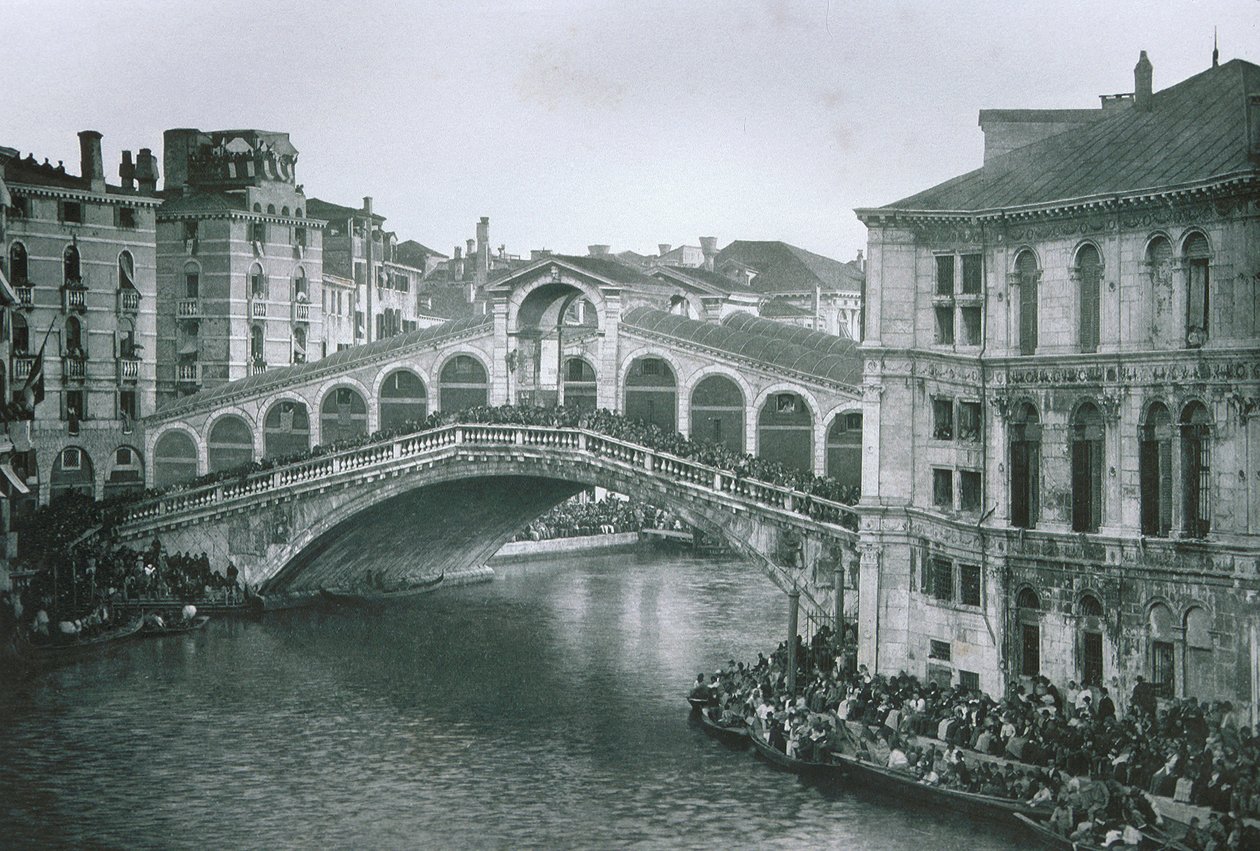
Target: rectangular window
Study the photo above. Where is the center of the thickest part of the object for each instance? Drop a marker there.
(21, 208)
(258, 232)
(190, 230)
(969, 490)
(786, 403)
(72, 212)
(943, 488)
(127, 406)
(1092, 663)
(971, 274)
(939, 650)
(943, 419)
(969, 584)
(940, 675)
(125, 218)
(943, 579)
(1030, 646)
(969, 680)
(945, 326)
(1162, 676)
(1197, 303)
(972, 327)
(299, 236)
(969, 422)
(650, 366)
(945, 274)
(71, 459)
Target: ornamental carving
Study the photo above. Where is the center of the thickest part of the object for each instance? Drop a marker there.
(1244, 406)
(1126, 374)
(951, 233)
(1061, 228)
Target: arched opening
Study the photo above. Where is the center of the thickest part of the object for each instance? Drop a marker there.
(580, 389)
(1159, 265)
(1025, 472)
(717, 412)
(256, 344)
(1163, 637)
(652, 393)
(127, 473)
(550, 317)
(174, 459)
(26, 466)
(257, 282)
(462, 384)
(1091, 636)
(844, 450)
(127, 339)
(19, 267)
(1196, 470)
(1088, 277)
(192, 280)
(230, 444)
(72, 472)
(299, 345)
(71, 268)
(342, 415)
(1027, 277)
(271, 209)
(1155, 471)
(74, 338)
(286, 429)
(785, 431)
(126, 271)
(1199, 675)
(403, 399)
(1028, 614)
(1198, 259)
(21, 332)
(300, 293)
(1087, 468)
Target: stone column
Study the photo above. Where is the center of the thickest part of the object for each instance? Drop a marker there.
(868, 604)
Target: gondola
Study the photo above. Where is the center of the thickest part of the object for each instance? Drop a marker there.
(175, 628)
(699, 703)
(736, 735)
(82, 646)
(779, 759)
(1152, 837)
(375, 597)
(905, 787)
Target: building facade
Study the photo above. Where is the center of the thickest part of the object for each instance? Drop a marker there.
(1061, 458)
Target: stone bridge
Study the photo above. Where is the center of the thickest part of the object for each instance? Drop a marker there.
(446, 499)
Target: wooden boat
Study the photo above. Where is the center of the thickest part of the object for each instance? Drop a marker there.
(737, 735)
(175, 628)
(373, 597)
(905, 787)
(779, 759)
(699, 703)
(1152, 837)
(69, 650)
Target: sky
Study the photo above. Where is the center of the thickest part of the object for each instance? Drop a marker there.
(578, 122)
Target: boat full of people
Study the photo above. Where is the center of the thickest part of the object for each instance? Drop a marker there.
(74, 639)
(172, 623)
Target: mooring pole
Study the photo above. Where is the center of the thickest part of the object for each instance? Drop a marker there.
(839, 580)
(794, 605)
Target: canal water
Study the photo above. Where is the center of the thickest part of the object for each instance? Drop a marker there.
(542, 710)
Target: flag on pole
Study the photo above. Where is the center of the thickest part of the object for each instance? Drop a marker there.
(33, 389)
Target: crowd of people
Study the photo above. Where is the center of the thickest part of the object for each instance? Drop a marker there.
(1068, 750)
(577, 516)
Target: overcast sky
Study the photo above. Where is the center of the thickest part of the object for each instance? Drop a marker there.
(570, 122)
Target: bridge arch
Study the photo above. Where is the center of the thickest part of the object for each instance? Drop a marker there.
(72, 472)
(650, 396)
(552, 289)
(343, 411)
(717, 403)
(401, 394)
(784, 432)
(126, 474)
(459, 384)
(231, 440)
(176, 456)
(286, 427)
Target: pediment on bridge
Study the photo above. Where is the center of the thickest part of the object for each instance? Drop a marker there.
(608, 276)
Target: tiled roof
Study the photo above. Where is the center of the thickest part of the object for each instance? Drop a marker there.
(783, 309)
(1194, 131)
(787, 269)
(32, 173)
(611, 269)
(202, 202)
(410, 246)
(716, 280)
(338, 361)
(320, 209)
(775, 346)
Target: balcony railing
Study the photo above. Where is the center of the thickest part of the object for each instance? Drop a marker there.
(301, 311)
(22, 365)
(128, 370)
(74, 369)
(128, 300)
(188, 308)
(25, 295)
(73, 299)
(258, 309)
(188, 373)
(257, 367)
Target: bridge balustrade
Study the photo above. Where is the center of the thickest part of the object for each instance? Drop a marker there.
(424, 443)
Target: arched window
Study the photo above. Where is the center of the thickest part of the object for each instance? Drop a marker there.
(174, 459)
(257, 282)
(785, 431)
(271, 209)
(72, 272)
(1025, 461)
(1027, 276)
(231, 443)
(1087, 469)
(21, 334)
(126, 339)
(1028, 612)
(1155, 471)
(462, 384)
(1198, 286)
(652, 393)
(127, 473)
(403, 399)
(126, 271)
(74, 337)
(342, 416)
(1091, 647)
(18, 266)
(1196, 470)
(299, 285)
(844, 450)
(286, 429)
(257, 207)
(1159, 264)
(72, 472)
(192, 280)
(256, 351)
(579, 384)
(1200, 673)
(1088, 276)
(717, 412)
(299, 345)
(284, 211)
(1163, 635)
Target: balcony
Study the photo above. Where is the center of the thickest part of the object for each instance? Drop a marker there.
(25, 296)
(191, 245)
(128, 370)
(188, 308)
(257, 309)
(188, 373)
(22, 365)
(301, 311)
(257, 367)
(73, 369)
(74, 299)
(128, 300)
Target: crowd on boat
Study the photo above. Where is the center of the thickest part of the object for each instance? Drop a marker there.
(1069, 751)
(606, 516)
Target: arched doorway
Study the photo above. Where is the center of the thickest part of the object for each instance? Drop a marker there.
(342, 415)
(403, 399)
(1028, 615)
(1087, 468)
(72, 472)
(462, 384)
(652, 393)
(717, 413)
(1200, 674)
(1088, 277)
(286, 429)
(1091, 638)
(785, 431)
(1162, 627)
(844, 450)
(231, 444)
(580, 388)
(174, 459)
(1196, 470)
(127, 474)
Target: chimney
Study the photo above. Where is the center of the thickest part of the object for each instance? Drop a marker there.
(860, 262)
(708, 245)
(597, 250)
(482, 269)
(1142, 80)
(127, 171)
(457, 265)
(91, 164)
(146, 171)
(471, 248)
(663, 249)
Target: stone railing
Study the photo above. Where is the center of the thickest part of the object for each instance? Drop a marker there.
(73, 369)
(257, 308)
(301, 311)
(418, 446)
(128, 300)
(188, 308)
(128, 369)
(22, 365)
(25, 295)
(73, 299)
(188, 373)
